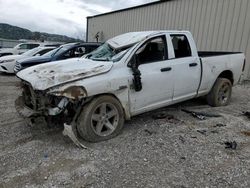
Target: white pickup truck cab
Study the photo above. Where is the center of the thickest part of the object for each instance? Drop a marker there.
(128, 75)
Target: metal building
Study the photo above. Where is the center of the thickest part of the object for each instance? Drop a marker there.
(217, 25)
(8, 43)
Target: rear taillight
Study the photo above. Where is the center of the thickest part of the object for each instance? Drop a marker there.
(244, 64)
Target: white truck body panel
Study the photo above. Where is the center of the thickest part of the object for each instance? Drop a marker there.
(213, 66)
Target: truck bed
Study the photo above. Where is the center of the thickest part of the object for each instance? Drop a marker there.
(215, 53)
(215, 63)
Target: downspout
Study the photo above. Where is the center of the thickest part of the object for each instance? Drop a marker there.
(87, 29)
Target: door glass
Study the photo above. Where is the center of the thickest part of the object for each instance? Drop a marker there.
(23, 46)
(80, 51)
(181, 46)
(69, 54)
(154, 50)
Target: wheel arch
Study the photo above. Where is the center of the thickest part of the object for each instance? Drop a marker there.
(227, 74)
(124, 103)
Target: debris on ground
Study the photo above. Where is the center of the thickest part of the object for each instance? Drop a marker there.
(231, 145)
(204, 132)
(247, 114)
(166, 116)
(200, 115)
(193, 136)
(246, 133)
(214, 131)
(45, 155)
(220, 125)
(181, 138)
(162, 115)
(149, 132)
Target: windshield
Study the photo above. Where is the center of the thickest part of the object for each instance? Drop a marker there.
(51, 53)
(106, 53)
(31, 52)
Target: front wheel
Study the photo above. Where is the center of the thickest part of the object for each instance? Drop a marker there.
(101, 119)
(220, 94)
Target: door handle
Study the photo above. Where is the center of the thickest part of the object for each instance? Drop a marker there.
(193, 64)
(166, 69)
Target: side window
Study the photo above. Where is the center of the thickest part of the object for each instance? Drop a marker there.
(152, 51)
(90, 48)
(68, 54)
(181, 46)
(80, 51)
(23, 46)
(74, 52)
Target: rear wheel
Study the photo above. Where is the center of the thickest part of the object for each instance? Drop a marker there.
(220, 94)
(101, 119)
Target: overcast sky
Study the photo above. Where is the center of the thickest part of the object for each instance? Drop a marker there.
(66, 17)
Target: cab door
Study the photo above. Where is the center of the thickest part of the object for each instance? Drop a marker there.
(186, 67)
(156, 77)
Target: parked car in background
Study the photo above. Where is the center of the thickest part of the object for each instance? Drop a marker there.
(7, 63)
(65, 51)
(128, 75)
(23, 47)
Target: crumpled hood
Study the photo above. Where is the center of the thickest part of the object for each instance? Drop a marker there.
(48, 75)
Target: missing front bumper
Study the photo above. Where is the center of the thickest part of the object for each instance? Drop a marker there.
(29, 115)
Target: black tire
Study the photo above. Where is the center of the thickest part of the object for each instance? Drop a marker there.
(220, 93)
(91, 119)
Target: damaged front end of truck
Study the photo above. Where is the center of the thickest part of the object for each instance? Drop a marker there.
(58, 98)
(54, 110)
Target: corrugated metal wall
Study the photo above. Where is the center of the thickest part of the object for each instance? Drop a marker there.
(221, 25)
(6, 43)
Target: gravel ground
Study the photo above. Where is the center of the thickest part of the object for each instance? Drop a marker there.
(172, 152)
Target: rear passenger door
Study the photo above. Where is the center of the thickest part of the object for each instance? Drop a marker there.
(186, 67)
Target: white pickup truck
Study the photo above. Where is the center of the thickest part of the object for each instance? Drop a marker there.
(128, 75)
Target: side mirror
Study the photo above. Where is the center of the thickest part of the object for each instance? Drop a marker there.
(134, 62)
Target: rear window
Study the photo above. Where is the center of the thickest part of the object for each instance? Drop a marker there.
(181, 46)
